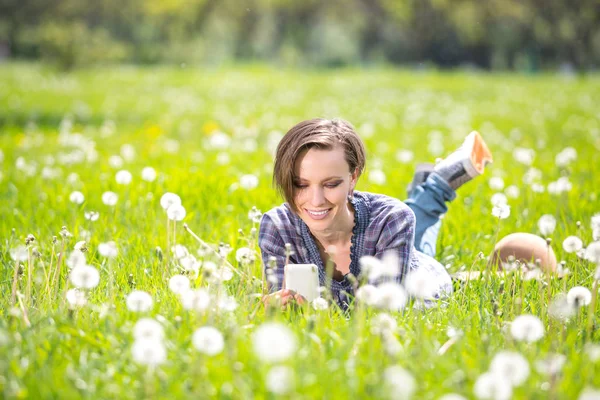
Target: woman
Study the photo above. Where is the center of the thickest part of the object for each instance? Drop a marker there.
(317, 165)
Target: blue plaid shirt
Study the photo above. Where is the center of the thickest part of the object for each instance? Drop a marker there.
(381, 224)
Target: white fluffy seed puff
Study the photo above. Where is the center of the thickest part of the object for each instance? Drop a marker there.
(139, 301)
(527, 328)
(273, 342)
(208, 340)
(84, 277)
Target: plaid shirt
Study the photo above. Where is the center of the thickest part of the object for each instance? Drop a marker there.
(381, 224)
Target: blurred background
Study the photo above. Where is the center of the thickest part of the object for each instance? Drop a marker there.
(523, 35)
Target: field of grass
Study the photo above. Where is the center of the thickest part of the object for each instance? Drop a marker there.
(209, 135)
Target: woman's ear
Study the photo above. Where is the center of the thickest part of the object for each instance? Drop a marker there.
(353, 179)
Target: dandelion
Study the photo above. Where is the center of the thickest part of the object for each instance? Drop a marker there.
(547, 224)
(367, 294)
(419, 283)
(76, 197)
(189, 263)
(248, 182)
(76, 298)
(148, 174)
(108, 249)
(511, 366)
(377, 177)
(579, 296)
(589, 394)
(383, 324)
(168, 199)
(84, 277)
(273, 342)
(512, 191)
(179, 284)
(391, 296)
(19, 253)
(496, 183)
(501, 211)
(139, 301)
(92, 215)
(81, 246)
(404, 156)
(592, 351)
(179, 251)
(123, 177)
(148, 329)
(208, 340)
(75, 259)
(572, 244)
(110, 198)
(219, 140)
(523, 155)
(115, 161)
(527, 328)
(551, 365)
(374, 268)
(320, 304)
(560, 308)
(565, 157)
(149, 352)
(498, 199)
(400, 383)
(128, 152)
(280, 380)
(227, 303)
(592, 252)
(595, 221)
(245, 255)
(224, 274)
(195, 300)
(452, 396)
(490, 386)
(254, 215)
(176, 212)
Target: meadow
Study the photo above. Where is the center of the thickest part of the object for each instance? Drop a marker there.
(90, 308)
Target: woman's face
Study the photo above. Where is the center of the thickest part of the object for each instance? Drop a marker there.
(322, 187)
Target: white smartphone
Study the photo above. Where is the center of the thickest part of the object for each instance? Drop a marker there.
(303, 279)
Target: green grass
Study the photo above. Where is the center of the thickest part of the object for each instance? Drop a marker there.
(86, 353)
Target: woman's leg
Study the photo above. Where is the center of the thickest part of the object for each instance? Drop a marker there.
(428, 202)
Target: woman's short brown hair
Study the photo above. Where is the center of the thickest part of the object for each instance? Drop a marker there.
(320, 133)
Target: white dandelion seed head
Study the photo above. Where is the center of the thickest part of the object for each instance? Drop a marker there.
(179, 251)
(76, 197)
(527, 328)
(248, 181)
(547, 224)
(366, 294)
(219, 140)
(377, 177)
(176, 212)
(76, 298)
(592, 252)
(391, 296)
(108, 249)
(255, 215)
(19, 253)
(496, 183)
(80, 245)
(501, 211)
(523, 155)
(149, 352)
(110, 198)
(511, 366)
(227, 303)
(148, 329)
(512, 192)
(391, 344)
(168, 199)
(128, 152)
(560, 308)
(148, 174)
(123, 177)
(179, 284)
(245, 255)
(280, 380)
(189, 263)
(320, 304)
(565, 157)
(595, 221)
(383, 323)
(452, 396)
(419, 283)
(139, 301)
(399, 382)
(374, 269)
(195, 300)
(224, 274)
(274, 342)
(551, 365)
(84, 277)
(592, 350)
(91, 215)
(572, 244)
(208, 340)
(76, 259)
(579, 296)
(115, 161)
(490, 386)
(404, 156)
(499, 199)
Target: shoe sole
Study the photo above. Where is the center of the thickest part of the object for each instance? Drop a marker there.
(480, 154)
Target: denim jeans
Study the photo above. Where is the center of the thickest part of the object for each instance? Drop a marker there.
(428, 202)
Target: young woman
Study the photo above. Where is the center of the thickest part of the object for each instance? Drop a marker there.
(317, 165)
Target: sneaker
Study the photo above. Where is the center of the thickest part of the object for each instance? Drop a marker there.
(421, 173)
(465, 163)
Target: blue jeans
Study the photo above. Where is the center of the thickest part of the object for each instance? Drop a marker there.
(428, 202)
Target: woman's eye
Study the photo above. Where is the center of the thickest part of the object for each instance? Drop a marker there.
(298, 186)
(332, 185)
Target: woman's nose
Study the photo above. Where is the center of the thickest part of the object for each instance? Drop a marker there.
(317, 197)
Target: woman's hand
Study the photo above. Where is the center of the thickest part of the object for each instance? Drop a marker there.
(283, 298)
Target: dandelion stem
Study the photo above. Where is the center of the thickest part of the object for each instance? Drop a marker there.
(23, 310)
(592, 311)
(168, 249)
(59, 264)
(51, 271)
(15, 283)
(29, 273)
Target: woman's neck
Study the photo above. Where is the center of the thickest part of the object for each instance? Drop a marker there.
(339, 234)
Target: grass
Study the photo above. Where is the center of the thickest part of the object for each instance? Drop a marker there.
(168, 116)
